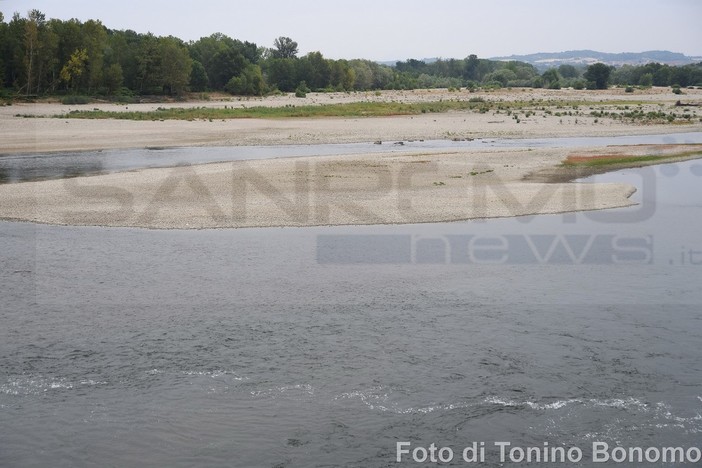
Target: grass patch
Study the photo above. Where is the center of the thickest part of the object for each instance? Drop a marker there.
(600, 161)
(626, 161)
(356, 109)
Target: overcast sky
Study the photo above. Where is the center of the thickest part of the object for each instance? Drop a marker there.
(389, 30)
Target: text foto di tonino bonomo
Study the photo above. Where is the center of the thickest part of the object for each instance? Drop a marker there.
(507, 452)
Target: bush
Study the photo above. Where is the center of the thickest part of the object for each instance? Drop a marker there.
(492, 85)
(676, 89)
(629, 89)
(75, 100)
(124, 96)
(579, 84)
(249, 83)
(302, 90)
(5, 97)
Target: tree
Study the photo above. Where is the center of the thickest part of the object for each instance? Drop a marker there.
(282, 74)
(36, 21)
(225, 65)
(315, 70)
(94, 36)
(147, 64)
(597, 75)
(75, 67)
(470, 68)
(646, 80)
(198, 77)
(342, 75)
(250, 82)
(3, 41)
(363, 74)
(175, 65)
(284, 48)
(551, 79)
(113, 78)
(503, 76)
(568, 71)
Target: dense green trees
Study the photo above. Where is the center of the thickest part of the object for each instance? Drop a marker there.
(597, 76)
(40, 56)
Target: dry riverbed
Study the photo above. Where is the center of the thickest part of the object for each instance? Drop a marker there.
(408, 187)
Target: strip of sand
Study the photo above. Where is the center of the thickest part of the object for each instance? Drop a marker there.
(359, 189)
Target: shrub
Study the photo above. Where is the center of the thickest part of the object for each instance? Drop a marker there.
(302, 90)
(250, 82)
(124, 95)
(629, 89)
(75, 100)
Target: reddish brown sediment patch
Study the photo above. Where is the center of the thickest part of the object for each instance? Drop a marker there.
(580, 164)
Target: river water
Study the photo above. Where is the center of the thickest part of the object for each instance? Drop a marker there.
(325, 346)
(27, 167)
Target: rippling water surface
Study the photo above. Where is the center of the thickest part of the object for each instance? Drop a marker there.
(310, 347)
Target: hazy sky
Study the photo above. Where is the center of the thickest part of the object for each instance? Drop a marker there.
(389, 30)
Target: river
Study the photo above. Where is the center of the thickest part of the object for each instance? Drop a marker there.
(325, 346)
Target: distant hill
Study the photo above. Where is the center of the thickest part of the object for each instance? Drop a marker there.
(391, 63)
(543, 60)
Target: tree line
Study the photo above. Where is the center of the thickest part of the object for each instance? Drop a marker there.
(40, 56)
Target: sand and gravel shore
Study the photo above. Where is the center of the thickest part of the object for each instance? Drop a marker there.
(407, 187)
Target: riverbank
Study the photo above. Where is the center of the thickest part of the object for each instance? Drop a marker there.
(412, 186)
(518, 113)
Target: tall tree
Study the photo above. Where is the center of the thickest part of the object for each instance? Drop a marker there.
(3, 51)
(147, 59)
(36, 20)
(175, 65)
(74, 68)
(95, 42)
(284, 48)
